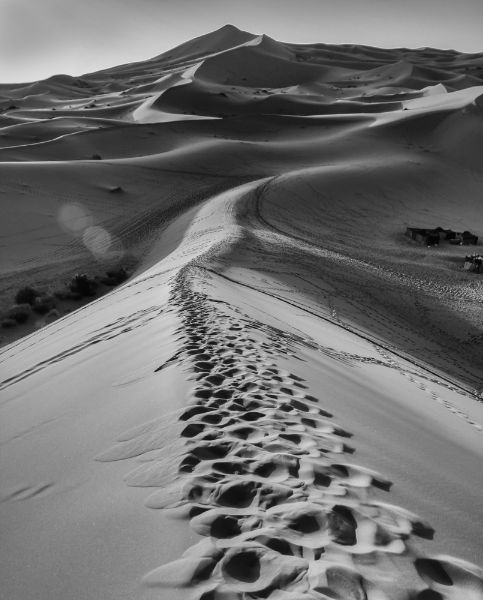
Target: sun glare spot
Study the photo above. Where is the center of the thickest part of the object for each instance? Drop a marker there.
(74, 218)
(97, 239)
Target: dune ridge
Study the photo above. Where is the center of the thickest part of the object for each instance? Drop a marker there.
(284, 399)
(259, 481)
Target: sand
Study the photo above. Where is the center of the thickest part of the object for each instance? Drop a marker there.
(284, 399)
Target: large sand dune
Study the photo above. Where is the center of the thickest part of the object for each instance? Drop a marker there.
(284, 400)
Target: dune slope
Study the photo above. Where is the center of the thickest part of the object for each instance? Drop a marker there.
(284, 400)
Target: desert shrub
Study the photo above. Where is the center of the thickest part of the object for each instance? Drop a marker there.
(62, 294)
(43, 304)
(8, 323)
(52, 316)
(41, 308)
(26, 295)
(20, 312)
(117, 276)
(67, 294)
(74, 296)
(108, 281)
(83, 285)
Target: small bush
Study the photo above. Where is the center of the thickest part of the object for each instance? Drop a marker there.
(9, 323)
(20, 312)
(43, 304)
(74, 296)
(52, 316)
(26, 295)
(108, 281)
(67, 294)
(117, 275)
(82, 285)
(62, 294)
(41, 308)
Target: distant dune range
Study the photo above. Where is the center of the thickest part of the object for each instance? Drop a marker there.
(263, 190)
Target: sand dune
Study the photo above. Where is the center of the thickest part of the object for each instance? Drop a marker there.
(284, 400)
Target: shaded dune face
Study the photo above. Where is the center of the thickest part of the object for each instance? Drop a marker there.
(280, 344)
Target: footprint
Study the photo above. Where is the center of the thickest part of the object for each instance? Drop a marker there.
(452, 577)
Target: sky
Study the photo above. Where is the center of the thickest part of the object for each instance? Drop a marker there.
(40, 38)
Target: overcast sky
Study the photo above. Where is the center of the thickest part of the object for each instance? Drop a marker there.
(39, 38)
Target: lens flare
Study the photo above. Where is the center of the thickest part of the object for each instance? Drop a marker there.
(97, 240)
(74, 218)
(79, 223)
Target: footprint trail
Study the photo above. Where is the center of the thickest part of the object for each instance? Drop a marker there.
(267, 479)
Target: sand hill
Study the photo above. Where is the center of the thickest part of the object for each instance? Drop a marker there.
(284, 399)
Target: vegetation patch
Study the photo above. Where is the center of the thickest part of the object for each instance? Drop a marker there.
(20, 313)
(26, 295)
(47, 307)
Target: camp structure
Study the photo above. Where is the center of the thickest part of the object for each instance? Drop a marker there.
(466, 238)
(428, 237)
(432, 237)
